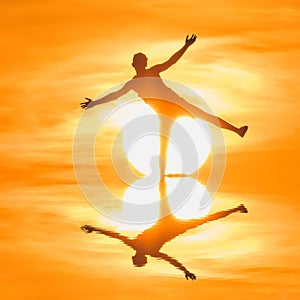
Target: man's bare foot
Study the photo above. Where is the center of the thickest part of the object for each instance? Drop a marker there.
(242, 131)
(87, 228)
(242, 209)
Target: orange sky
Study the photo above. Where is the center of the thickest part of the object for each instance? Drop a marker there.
(245, 64)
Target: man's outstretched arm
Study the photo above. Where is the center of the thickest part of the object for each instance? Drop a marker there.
(176, 264)
(175, 57)
(89, 228)
(108, 98)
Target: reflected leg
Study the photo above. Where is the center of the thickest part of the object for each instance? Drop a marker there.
(216, 216)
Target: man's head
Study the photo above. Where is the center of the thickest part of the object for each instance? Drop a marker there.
(139, 260)
(139, 61)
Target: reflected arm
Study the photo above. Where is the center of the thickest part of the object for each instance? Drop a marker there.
(108, 98)
(176, 264)
(127, 241)
(175, 57)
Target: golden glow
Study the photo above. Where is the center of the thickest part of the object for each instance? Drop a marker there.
(55, 53)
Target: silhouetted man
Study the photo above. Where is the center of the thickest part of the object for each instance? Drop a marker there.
(150, 241)
(176, 105)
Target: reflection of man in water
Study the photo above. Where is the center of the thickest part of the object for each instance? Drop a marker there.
(175, 105)
(152, 239)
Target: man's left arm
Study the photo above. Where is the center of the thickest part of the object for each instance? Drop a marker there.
(175, 57)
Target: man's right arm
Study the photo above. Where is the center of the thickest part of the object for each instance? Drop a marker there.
(108, 98)
(112, 234)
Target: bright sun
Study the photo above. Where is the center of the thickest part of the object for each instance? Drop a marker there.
(188, 147)
(187, 198)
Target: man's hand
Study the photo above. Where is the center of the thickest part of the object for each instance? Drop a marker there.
(190, 275)
(191, 40)
(87, 104)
